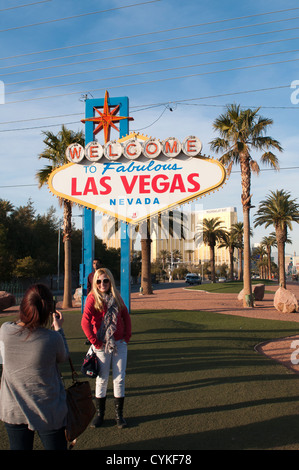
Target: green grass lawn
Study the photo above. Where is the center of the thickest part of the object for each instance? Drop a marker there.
(194, 381)
(231, 287)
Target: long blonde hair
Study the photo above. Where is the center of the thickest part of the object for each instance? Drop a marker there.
(98, 297)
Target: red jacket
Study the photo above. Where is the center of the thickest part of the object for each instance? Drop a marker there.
(92, 319)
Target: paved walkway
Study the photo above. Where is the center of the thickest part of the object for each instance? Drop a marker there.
(176, 296)
(173, 297)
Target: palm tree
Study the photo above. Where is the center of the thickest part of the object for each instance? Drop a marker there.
(279, 210)
(189, 253)
(231, 242)
(259, 253)
(5, 208)
(164, 254)
(146, 228)
(242, 131)
(268, 242)
(237, 230)
(146, 276)
(212, 233)
(56, 146)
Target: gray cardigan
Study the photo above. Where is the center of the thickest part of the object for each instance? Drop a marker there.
(31, 390)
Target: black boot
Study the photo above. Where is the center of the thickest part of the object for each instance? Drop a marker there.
(119, 405)
(99, 417)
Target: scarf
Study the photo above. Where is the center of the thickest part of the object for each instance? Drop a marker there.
(108, 325)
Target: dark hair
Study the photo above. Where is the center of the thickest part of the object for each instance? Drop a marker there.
(36, 306)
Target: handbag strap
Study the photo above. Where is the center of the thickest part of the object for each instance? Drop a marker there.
(74, 373)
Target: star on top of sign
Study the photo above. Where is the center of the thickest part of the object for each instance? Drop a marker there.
(106, 119)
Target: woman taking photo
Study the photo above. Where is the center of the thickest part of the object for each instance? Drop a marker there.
(32, 395)
(107, 325)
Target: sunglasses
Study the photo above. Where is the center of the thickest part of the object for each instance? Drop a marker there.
(105, 281)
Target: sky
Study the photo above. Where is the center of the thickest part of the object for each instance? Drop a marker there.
(179, 63)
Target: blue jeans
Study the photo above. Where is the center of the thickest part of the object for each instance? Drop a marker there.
(21, 438)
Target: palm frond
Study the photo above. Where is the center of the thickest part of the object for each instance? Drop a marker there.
(55, 147)
(43, 175)
(268, 158)
(254, 166)
(243, 130)
(278, 209)
(219, 144)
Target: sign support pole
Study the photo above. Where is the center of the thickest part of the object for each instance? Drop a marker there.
(88, 214)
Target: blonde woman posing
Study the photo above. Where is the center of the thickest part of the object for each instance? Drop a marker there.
(107, 325)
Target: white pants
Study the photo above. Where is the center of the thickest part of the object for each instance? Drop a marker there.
(118, 361)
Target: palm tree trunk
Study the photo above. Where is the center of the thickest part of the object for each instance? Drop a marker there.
(281, 238)
(246, 202)
(247, 300)
(240, 267)
(212, 263)
(146, 281)
(67, 226)
(231, 257)
(269, 262)
(282, 276)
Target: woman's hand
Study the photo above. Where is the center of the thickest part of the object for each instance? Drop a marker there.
(57, 320)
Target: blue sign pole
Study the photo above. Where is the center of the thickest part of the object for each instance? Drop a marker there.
(88, 214)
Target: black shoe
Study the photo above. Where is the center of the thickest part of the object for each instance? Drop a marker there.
(99, 417)
(119, 405)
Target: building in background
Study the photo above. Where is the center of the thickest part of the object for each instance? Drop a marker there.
(174, 236)
(292, 264)
(191, 247)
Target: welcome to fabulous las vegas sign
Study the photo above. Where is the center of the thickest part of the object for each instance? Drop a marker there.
(136, 177)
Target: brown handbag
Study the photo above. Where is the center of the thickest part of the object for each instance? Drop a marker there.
(81, 409)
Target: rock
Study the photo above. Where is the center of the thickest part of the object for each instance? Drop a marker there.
(6, 300)
(258, 291)
(77, 297)
(285, 301)
(241, 294)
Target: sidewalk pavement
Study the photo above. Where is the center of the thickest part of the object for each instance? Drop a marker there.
(173, 298)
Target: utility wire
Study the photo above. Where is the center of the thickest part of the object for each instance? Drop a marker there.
(280, 87)
(77, 16)
(162, 40)
(294, 108)
(40, 118)
(162, 50)
(26, 5)
(148, 72)
(41, 127)
(161, 60)
(149, 106)
(119, 86)
(150, 33)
